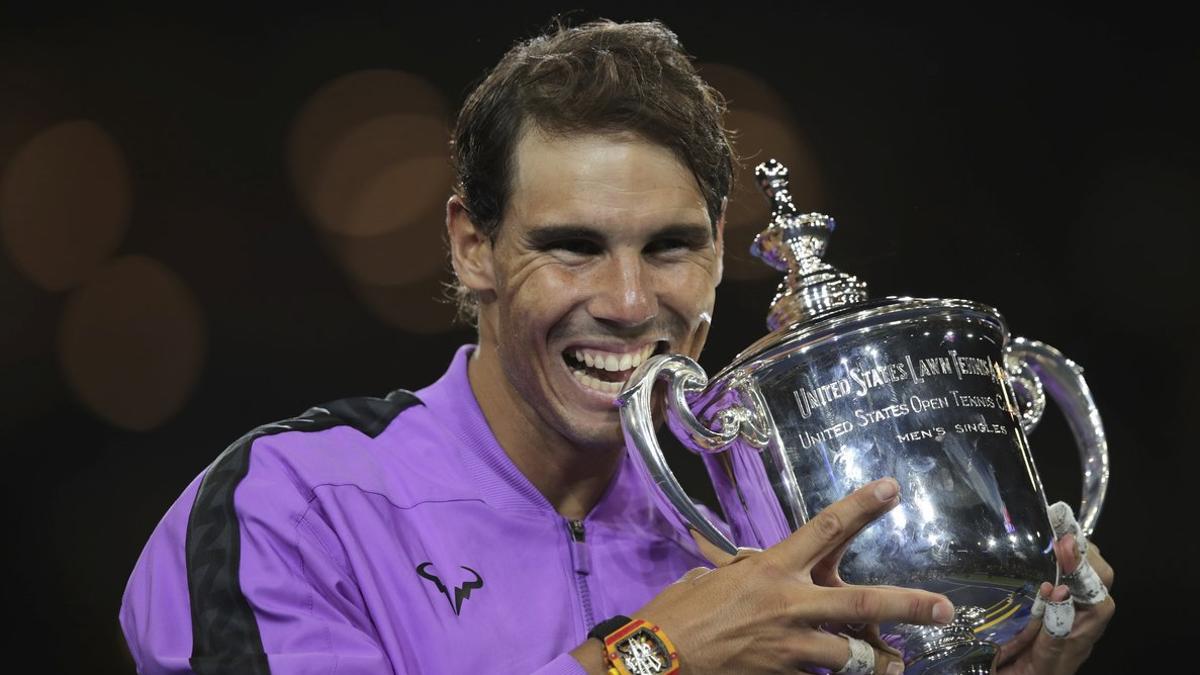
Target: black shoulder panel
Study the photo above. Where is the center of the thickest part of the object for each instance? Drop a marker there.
(371, 415)
(225, 636)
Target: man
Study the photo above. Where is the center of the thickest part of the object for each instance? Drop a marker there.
(487, 523)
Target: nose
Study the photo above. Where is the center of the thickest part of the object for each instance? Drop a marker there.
(624, 293)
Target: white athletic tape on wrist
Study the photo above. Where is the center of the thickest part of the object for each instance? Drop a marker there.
(862, 658)
(1058, 618)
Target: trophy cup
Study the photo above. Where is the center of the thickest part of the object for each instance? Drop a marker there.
(845, 390)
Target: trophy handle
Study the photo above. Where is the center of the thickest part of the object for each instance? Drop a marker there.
(637, 419)
(1032, 365)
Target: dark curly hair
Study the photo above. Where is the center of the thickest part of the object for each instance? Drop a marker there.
(601, 76)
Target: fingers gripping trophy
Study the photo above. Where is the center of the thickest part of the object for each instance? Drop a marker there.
(845, 390)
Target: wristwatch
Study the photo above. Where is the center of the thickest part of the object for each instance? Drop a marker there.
(636, 647)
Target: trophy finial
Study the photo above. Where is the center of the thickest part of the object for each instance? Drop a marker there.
(795, 243)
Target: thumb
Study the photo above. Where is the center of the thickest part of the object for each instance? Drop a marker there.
(1046, 651)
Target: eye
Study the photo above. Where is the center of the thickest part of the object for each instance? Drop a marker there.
(668, 245)
(576, 246)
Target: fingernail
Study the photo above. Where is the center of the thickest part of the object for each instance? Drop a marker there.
(943, 612)
(886, 489)
(895, 668)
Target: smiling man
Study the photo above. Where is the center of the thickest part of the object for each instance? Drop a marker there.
(488, 523)
(607, 254)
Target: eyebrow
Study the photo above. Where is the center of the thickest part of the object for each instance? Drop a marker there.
(544, 235)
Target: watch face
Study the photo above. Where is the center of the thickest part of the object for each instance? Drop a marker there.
(643, 653)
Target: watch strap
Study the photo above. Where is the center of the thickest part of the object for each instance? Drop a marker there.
(608, 627)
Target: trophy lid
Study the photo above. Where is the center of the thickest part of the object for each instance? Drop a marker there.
(795, 243)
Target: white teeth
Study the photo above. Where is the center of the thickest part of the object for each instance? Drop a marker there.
(613, 361)
(599, 385)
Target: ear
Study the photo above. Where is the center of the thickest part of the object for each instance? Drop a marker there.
(470, 249)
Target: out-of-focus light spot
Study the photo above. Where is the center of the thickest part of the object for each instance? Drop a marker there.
(396, 258)
(744, 90)
(350, 100)
(379, 177)
(330, 144)
(370, 163)
(64, 203)
(415, 308)
(131, 342)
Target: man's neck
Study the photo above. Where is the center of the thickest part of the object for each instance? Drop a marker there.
(572, 479)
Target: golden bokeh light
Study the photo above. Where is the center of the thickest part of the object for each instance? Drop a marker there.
(369, 162)
(745, 91)
(131, 343)
(404, 256)
(64, 203)
(381, 175)
(357, 126)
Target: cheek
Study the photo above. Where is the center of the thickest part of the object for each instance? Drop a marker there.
(542, 298)
(689, 290)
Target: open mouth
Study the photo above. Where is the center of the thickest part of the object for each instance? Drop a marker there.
(606, 371)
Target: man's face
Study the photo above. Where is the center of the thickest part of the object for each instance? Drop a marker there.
(605, 255)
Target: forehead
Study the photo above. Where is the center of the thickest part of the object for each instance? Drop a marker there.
(601, 179)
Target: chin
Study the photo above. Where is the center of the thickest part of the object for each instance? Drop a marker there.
(609, 437)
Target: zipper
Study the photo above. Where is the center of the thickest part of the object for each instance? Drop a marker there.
(582, 565)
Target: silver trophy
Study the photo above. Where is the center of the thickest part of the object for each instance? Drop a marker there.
(846, 390)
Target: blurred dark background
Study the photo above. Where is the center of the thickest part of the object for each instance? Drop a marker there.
(215, 219)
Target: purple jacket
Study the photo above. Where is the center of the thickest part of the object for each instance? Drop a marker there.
(387, 535)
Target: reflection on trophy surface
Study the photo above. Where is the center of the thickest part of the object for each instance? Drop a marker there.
(846, 390)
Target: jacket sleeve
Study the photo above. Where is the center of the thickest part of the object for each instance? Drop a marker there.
(241, 576)
(247, 573)
(565, 664)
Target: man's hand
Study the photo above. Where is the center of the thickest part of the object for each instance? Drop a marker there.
(1035, 651)
(762, 612)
